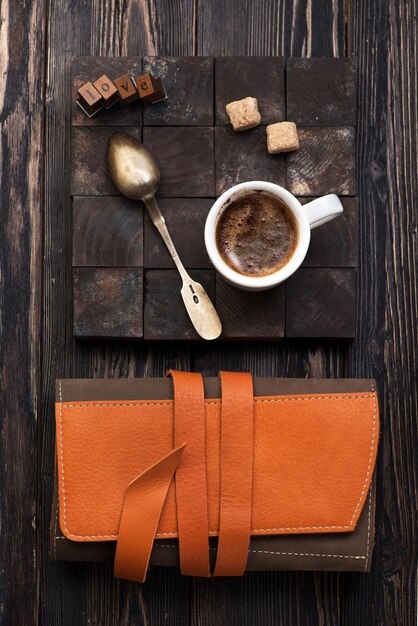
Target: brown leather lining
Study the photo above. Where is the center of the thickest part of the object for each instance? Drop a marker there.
(79, 390)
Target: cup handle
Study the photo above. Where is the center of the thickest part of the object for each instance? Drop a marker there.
(323, 210)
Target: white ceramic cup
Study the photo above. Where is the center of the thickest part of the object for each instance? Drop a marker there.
(308, 216)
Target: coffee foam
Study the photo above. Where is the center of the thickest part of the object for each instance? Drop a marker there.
(256, 234)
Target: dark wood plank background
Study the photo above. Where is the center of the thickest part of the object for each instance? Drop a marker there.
(38, 38)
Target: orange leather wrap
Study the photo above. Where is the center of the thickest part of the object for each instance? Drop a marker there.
(141, 510)
(236, 473)
(313, 460)
(191, 487)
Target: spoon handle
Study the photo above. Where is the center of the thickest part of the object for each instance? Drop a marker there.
(197, 302)
(159, 223)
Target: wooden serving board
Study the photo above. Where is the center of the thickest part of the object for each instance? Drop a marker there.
(125, 284)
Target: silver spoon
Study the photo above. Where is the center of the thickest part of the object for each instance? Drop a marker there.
(136, 175)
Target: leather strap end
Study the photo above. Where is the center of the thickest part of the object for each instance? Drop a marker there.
(141, 511)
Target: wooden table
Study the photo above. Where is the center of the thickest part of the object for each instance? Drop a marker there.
(38, 39)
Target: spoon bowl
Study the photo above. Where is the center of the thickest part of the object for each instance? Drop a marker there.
(133, 169)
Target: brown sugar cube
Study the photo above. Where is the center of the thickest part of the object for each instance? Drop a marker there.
(126, 88)
(150, 89)
(244, 114)
(107, 90)
(89, 99)
(282, 137)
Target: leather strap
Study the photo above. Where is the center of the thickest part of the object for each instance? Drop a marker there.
(236, 473)
(190, 480)
(143, 502)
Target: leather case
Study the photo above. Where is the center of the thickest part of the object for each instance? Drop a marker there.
(217, 475)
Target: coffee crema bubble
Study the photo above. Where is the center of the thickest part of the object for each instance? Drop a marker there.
(257, 234)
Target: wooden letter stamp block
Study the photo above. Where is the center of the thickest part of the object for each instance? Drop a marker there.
(150, 89)
(88, 69)
(89, 99)
(126, 88)
(107, 90)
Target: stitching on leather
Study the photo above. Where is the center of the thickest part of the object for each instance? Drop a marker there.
(88, 404)
(368, 529)
(63, 490)
(62, 460)
(207, 402)
(335, 556)
(350, 523)
(313, 554)
(329, 397)
(332, 397)
(370, 458)
(370, 506)
(58, 497)
(55, 530)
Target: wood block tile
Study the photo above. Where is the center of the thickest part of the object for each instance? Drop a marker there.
(243, 156)
(321, 303)
(107, 232)
(188, 82)
(165, 316)
(185, 219)
(335, 244)
(89, 173)
(324, 163)
(321, 92)
(186, 160)
(247, 315)
(86, 69)
(259, 77)
(108, 302)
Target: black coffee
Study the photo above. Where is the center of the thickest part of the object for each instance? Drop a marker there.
(257, 234)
